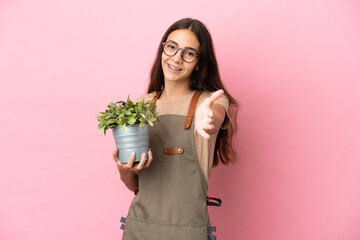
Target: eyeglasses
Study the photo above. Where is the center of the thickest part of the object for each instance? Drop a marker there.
(170, 48)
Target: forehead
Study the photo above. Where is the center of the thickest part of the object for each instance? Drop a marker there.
(185, 38)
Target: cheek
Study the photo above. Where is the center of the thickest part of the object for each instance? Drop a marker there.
(164, 58)
(192, 67)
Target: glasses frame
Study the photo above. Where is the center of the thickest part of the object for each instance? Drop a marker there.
(182, 51)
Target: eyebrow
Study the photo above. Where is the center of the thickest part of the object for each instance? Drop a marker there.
(185, 47)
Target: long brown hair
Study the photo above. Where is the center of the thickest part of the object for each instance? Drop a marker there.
(206, 78)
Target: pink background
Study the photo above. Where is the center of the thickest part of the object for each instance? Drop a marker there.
(293, 65)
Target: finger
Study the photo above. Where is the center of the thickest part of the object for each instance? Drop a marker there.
(115, 155)
(131, 160)
(142, 161)
(204, 134)
(210, 113)
(150, 158)
(207, 124)
(208, 127)
(215, 96)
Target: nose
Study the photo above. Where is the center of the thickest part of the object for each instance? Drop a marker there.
(177, 57)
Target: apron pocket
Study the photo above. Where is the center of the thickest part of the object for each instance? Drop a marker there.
(153, 172)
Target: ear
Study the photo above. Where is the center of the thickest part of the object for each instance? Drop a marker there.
(197, 68)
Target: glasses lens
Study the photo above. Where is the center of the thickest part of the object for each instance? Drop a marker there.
(170, 48)
(189, 55)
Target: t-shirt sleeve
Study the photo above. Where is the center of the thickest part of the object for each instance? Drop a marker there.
(139, 98)
(224, 101)
(146, 97)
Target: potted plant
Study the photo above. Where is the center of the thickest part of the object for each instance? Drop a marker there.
(129, 122)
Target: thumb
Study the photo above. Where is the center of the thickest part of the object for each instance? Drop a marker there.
(215, 96)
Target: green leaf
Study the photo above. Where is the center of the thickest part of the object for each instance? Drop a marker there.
(131, 120)
(120, 122)
(112, 121)
(101, 129)
(139, 107)
(112, 105)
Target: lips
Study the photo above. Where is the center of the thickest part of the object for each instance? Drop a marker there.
(174, 68)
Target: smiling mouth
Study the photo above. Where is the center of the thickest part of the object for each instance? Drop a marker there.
(174, 68)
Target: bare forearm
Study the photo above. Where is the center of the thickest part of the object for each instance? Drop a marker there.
(129, 171)
(130, 179)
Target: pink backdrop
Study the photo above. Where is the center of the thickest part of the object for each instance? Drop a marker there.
(293, 65)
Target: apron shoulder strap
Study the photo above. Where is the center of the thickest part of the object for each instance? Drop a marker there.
(191, 110)
(157, 95)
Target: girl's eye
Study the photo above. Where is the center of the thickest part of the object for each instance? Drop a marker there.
(190, 53)
(171, 46)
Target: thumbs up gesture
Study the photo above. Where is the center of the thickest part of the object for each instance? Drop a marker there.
(209, 117)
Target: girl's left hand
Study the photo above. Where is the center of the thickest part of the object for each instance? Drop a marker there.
(205, 115)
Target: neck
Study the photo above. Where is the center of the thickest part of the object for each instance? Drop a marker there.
(173, 90)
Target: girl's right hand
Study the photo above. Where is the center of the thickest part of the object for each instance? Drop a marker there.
(130, 166)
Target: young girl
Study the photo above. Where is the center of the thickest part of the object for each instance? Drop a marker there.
(193, 135)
